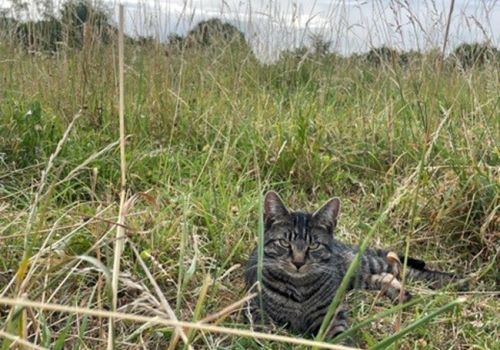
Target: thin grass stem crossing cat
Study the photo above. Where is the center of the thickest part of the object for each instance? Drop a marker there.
(303, 265)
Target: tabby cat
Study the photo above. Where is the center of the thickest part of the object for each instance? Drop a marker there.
(303, 265)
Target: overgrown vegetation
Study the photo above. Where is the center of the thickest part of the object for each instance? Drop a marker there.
(209, 130)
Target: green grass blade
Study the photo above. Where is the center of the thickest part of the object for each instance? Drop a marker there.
(353, 267)
(260, 231)
(84, 323)
(199, 307)
(420, 322)
(45, 333)
(377, 316)
(260, 244)
(59, 344)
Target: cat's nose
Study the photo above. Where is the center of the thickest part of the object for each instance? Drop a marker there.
(298, 263)
(298, 257)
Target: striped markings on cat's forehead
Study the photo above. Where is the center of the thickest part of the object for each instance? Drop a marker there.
(301, 227)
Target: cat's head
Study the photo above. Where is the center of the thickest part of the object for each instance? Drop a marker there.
(299, 242)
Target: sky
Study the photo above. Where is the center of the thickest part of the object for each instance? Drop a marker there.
(350, 25)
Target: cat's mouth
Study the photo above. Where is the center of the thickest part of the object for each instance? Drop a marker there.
(310, 270)
(297, 271)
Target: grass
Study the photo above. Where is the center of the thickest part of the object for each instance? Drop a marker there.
(207, 132)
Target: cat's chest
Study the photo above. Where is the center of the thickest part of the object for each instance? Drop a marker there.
(298, 301)
(300, 310)
(300, 298)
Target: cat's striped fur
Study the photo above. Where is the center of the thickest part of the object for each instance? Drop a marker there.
(303, 266)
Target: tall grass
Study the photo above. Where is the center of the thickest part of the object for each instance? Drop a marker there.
(210, 129)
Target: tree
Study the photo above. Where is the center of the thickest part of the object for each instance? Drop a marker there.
(476, 54)
(214, 32)
(42, 35)
(209, 36)
(382, 55)
(80, 18)
(294, 55)
(8, 26)
(175, 43)
(320, 46)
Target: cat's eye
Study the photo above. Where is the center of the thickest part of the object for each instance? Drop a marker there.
(284, 243)
(315, 246)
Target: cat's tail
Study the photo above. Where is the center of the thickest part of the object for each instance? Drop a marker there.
(418, 271)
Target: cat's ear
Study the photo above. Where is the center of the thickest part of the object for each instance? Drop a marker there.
(328, 213)
(273, 207)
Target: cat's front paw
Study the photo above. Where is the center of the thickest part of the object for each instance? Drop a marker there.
(404, 298)
(395, 295)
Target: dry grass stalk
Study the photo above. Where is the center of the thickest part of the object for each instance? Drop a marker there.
(169, 323)
(24, 266)
(91, 158)
(448, 22)
(421, 165)
(199, 305)
(120, 231)
(23, 332)
(43, 180)
(222, 314)
(19, 341)
(46, 248)
(166, 306)
(38, 194)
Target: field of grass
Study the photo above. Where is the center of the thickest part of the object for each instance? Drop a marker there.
(208, 130)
